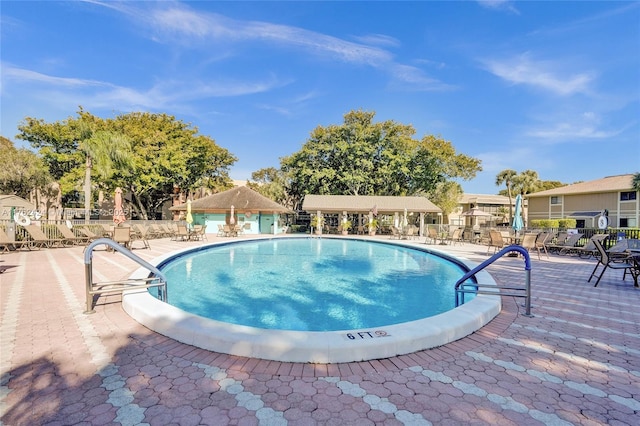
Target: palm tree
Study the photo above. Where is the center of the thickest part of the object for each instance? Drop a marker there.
(103, 150)
(506, 176)
(635, 182)
(526, 182)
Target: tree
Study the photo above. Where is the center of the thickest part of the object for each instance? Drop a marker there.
(271, 183)
(172, 155)
(446, 195)
(635, 182)
(526, 182)
(21, 171)
(362, 157)
(103, 151)
(506, 176)
(164, 154)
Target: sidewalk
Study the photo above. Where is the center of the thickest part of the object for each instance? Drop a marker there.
(577, 361)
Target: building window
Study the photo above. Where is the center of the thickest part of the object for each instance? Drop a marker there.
(628, 196)
(628, 222)
(556, 200)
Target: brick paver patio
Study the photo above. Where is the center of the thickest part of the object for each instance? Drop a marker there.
(577, 361)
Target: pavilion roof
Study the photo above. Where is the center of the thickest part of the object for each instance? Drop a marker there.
(365, 203)
(242, 198)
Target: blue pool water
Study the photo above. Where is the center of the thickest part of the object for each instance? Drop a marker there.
(311, 284)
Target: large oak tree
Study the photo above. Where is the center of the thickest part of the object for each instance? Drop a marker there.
(363, 157)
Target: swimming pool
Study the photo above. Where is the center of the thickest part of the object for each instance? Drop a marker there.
(369, 341)
(312, 284)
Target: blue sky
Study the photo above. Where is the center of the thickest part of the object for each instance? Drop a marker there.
(548, 86)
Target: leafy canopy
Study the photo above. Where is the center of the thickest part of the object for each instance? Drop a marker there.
(162, 154)
(363, 157)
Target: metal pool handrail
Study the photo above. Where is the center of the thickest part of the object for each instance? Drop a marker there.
(516, 291)
(158, 280)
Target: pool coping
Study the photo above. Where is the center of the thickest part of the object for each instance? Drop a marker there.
(313, 346)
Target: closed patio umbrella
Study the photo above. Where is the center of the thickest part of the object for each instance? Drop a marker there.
(518, 224)
(232, 219)
(189, 218)
(118, 212)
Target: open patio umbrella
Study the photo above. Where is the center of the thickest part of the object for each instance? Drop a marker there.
(232, 219)
(517, 224)
(118, 212)
(475, 213)
(189, 218)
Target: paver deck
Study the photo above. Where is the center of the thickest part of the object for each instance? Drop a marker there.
(577, 361)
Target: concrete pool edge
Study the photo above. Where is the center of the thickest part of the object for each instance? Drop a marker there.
(313, 347)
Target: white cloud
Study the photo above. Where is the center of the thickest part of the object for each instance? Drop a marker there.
(571, 131)
(176, 23)
(542, 74)
(10, 72)
(499, 5)
(91, 93)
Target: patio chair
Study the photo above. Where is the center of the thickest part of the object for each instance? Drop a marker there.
(608, 261)
(183, 233)
(529, 242)
(198, 233)
(221, 231)
(455, 237)
(395, 233)
(432, 235)
(69, 237)
(122, 236)
(40, 239)
(541, 242)
(495, 241)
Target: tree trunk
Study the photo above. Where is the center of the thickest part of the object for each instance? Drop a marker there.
(510, 203)
(141, 209)
(87, 190)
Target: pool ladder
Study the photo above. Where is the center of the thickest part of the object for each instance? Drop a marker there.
(156, 280)
(462, 287)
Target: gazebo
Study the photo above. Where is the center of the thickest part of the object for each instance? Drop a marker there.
(253, 212)
(365, 206)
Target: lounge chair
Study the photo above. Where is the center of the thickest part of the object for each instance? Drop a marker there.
(69, 238)
(589, 249)
(568, 243)
(40, 239)
(140, 233)
(107, 230)
(6, 245)
(91, 236)
(495, 241)
(613, 261)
